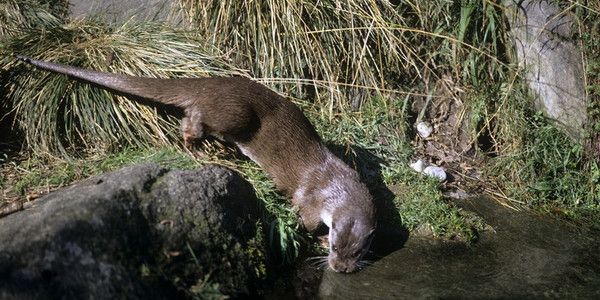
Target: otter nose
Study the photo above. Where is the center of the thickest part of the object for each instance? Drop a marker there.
(351, 269)
(342, 268)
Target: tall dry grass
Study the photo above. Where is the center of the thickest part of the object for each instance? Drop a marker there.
(59, 115)
(338, 54)
(347, 52)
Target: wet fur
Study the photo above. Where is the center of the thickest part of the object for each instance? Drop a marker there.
(273, 132)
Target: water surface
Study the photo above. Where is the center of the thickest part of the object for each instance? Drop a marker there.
(525, 256)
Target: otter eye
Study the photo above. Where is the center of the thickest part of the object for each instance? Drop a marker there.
(357, 253)
(334, 248)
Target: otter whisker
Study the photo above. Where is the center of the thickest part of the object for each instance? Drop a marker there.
(324, 265)
(364, 263)
(320, 257)
(317, 262)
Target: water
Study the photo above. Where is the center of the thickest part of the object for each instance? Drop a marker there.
(525, 256)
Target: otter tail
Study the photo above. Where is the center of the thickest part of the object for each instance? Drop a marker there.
(152, 89)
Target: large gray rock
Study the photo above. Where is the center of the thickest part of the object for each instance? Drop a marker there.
(137, 233)
(543, 35)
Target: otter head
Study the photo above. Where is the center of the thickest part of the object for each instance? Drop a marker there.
(349, 240)
(346, 206)
(350, 236)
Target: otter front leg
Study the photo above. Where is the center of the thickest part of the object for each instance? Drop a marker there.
(191, 128)
(310, 218)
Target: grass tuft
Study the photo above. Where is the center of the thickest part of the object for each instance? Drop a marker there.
(60, 116)
(19, 16)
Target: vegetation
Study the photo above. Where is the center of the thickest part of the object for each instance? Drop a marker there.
(19, 16)
(364, 73)
(136, 49)
(547, 170)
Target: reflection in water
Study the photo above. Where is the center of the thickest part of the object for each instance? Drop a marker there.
(527, 256)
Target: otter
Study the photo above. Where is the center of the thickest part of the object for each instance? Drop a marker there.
(273, 132)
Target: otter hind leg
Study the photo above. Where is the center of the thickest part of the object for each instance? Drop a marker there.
(192, 129)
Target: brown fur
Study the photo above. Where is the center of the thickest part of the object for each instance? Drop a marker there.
(273, 132)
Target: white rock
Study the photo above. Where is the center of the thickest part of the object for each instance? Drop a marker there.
(435, 171)
(418, 166)
(424, 129)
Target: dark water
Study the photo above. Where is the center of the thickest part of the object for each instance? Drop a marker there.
(525, 256)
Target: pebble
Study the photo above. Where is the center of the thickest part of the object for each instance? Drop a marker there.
(424, 129)
(418, 166)
(435, 171)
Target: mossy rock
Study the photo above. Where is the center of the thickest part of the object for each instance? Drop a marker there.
(140, 232)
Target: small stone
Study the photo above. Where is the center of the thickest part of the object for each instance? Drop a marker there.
(424, 129)
(418, 166)
(435, 171)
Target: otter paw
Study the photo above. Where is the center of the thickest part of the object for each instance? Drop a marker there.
(324, 241)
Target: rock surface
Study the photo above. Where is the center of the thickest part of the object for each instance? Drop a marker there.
(138, 233)
(543, 36)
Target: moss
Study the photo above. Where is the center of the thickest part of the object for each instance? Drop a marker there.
(421, 206)
(550, 172)
(256, 252)
(217, 234)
